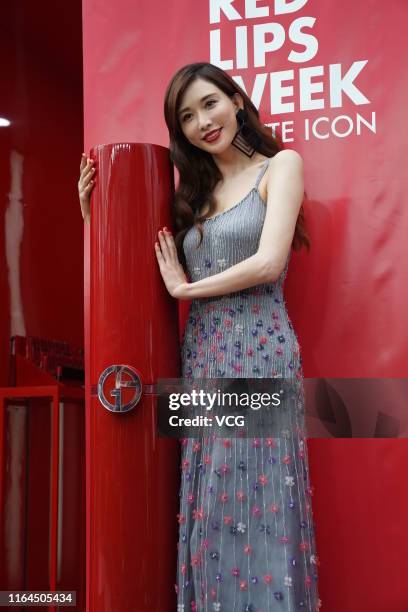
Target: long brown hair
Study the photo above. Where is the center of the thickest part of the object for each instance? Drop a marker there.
(198, 172)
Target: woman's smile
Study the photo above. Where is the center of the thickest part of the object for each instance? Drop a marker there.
(213, 135)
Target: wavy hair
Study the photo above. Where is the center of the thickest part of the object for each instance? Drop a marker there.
(198, 173)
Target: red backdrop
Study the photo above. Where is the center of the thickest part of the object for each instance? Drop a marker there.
(335, 71)
(41, 284)
(41, 292)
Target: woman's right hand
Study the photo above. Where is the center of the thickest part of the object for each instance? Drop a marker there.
(85, 185)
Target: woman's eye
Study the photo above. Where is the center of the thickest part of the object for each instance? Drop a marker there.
(187, 116)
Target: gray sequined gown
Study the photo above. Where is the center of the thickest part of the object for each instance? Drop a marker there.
(246, 538)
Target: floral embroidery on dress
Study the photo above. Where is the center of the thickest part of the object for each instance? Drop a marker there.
(244, 502)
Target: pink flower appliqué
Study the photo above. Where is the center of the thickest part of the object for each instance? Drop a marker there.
(198, 514)
(205, 544)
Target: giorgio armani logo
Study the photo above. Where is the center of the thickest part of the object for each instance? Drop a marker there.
(119, 388)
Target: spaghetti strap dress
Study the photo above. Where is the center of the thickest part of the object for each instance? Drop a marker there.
(246, 531)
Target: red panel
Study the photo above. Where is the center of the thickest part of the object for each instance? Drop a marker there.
(359, 517)
(131, 474)
(40, 516)
(72, 513)
(42, 512)
(2, 478)
(41, 284)
(14, 506)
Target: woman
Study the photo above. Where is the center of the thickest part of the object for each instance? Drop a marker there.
(246, 530)
(246, 539)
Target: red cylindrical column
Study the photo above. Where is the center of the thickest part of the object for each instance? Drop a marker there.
(132, 476)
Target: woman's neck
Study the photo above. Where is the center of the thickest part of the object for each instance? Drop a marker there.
(232, 162)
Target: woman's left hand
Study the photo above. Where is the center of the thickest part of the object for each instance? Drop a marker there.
(170, 268)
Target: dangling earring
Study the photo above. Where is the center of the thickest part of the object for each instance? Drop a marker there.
(245, 140)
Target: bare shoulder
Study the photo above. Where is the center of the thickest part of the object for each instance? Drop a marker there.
(287, 157)
(286, 165)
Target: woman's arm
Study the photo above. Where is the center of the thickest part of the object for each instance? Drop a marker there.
(247, 273)
(285, 194)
